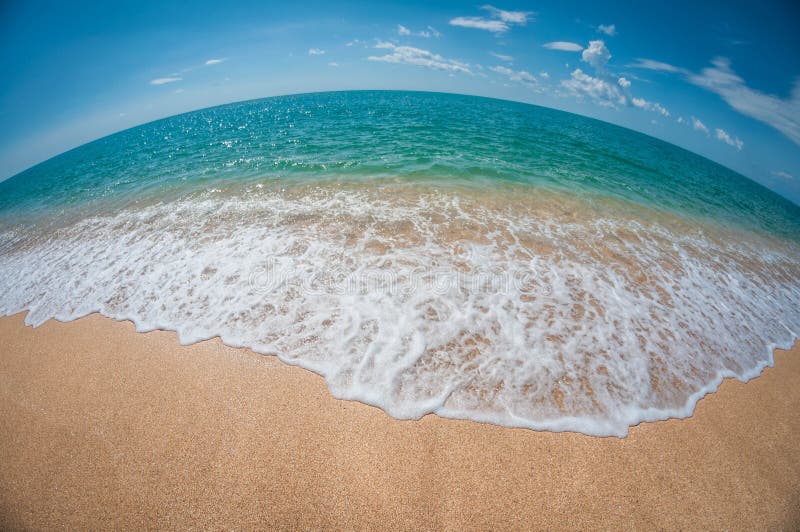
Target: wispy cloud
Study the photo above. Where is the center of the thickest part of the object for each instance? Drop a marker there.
(624, 83)
(728, 139)
(434, 32)
(427, 33)
(609, 30)
(699, 126)
(521, 76)
(215, 61)
(649, 64)
(333, 64)
(783, 114)
(641, 103)
(563, 46)
(315, 51)
(162, 81)
(410, 55)
(480, 23)
(783, 174)
(502, 57)
(512, 17)
(499, 20)
(601, 91)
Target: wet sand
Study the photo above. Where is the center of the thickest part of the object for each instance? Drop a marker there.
(103, 427)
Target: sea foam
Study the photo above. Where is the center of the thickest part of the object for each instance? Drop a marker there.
(510, 306)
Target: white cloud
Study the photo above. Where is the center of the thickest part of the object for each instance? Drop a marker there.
(599, 90)
(544, 75)
(596, 54)
(502, 57)
(214, 61)
(354, 42)
(333, 64)
(603, 88)
(727, 139)
(162, 81)
(500, 21)
(649, 64)
(410, 55)
(522, 76)
(641, 103)
(177, 91)
(680, 120)
(563, 46)
(782, 114)
(480, 23)
(434, 32)
(609, 30)
(315, 51)
(699, 126)
(783, 174)
(512, 17)
(427, 33)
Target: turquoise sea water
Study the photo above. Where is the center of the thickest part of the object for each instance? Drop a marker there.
(424, 252)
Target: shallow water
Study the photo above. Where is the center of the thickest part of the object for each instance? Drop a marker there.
(423, 252)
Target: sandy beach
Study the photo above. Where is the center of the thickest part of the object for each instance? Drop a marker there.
(103, 427)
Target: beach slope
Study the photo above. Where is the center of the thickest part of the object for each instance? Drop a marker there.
(101, 427)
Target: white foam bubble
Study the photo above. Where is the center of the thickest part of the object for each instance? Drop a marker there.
(520, 311)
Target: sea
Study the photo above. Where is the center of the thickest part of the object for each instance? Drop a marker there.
(424, 253)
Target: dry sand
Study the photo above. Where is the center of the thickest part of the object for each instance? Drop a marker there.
(104, 427)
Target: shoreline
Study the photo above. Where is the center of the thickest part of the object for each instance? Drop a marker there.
(103, 426)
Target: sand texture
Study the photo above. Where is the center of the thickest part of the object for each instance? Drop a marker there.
(103, 427)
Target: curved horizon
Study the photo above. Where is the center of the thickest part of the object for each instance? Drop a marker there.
(783, 197)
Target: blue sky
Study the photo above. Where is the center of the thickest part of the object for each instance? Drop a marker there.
(719, 78)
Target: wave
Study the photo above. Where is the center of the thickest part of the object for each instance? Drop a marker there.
(510, 305)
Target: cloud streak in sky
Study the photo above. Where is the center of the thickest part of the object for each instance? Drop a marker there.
(480, 23)
(521, 76)
(783, 114)
(163, 81)
(500, 20)
(609, 30)
(427, 33)
(563, 46)
(699, 126)
(649, 64)
(511, 17)
(502, 57)
(728, 139)
(410, 55)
